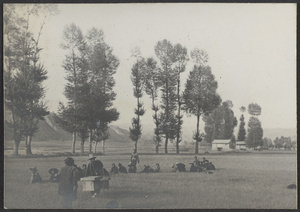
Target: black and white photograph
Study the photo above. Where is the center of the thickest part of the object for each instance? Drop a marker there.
(150, 105)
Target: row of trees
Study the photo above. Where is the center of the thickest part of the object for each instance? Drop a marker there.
(282, 142)
(161, 80)
(90, 65)
(24, 72)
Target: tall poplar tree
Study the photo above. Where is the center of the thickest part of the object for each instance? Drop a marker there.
(77, 89)
(103, 65)
(180, 60)
(137, 77)
(164, 50)
(151, 87)
(255, 131)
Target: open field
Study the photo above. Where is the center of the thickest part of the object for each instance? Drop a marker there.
(242, 180)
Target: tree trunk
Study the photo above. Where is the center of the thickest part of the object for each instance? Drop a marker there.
(178, 116)
(135, 147)
(28, 145)
(16, 147)
(73, 142)
(82, 147)
(103, 146)
(156, 148)
(197, 135)
(166, 144)
(91, 142)
(167, 115)
(95, 147)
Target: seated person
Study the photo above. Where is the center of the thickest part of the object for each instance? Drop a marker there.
(157, 168)
(114, 169)
(147, 169)
(180, 167)
(53, 175)
(122, 169)
(35, 176)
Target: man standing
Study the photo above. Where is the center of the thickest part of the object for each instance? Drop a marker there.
(67, 187)
(94, 168)
(134, 158)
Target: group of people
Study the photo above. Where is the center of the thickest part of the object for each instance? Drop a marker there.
(68, 176)
(71, 173)
(197, 166)
(134, 160)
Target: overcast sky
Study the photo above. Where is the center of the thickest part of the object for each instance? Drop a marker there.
(251, 47)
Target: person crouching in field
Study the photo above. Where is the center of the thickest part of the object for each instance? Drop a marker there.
(35, 176)
(67, 187)
(94, 168)
(114, 169)
(122, 169)
(157, 168)
(178, 167)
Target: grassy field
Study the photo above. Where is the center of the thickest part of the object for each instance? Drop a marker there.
(242, 180)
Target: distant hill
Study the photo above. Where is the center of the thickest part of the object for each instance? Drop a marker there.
(50, 130)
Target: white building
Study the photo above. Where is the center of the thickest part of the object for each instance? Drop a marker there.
(220, 145)
(241, 145)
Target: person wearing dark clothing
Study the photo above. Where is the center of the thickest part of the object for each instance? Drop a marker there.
(196, 161)
(193, 168)
(53, 175)
(180, 167)
(35, 176)
(134, 158)
(94, 168)
(81, 171)
(147, 169)
(157, 168)
(131, 168)
(122, 169)
(114, 169)
(105, 173)
(210, 166)
(205, 161)
(67, 187)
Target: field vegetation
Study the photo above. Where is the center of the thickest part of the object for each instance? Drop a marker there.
(241, 180)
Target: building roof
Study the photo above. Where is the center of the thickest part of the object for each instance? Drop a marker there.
(220, 141)
(240, 143)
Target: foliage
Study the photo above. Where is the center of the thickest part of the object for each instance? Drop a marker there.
(232, 142)
(242, 130)
(284, 142)
(23, 70)
(220, 123)
(200, 96)
(137, 77)
(254, 109)
(151, 86)
(180, 60)
(267, 143)
(255, 133)
(90, 65)
(164, 50)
